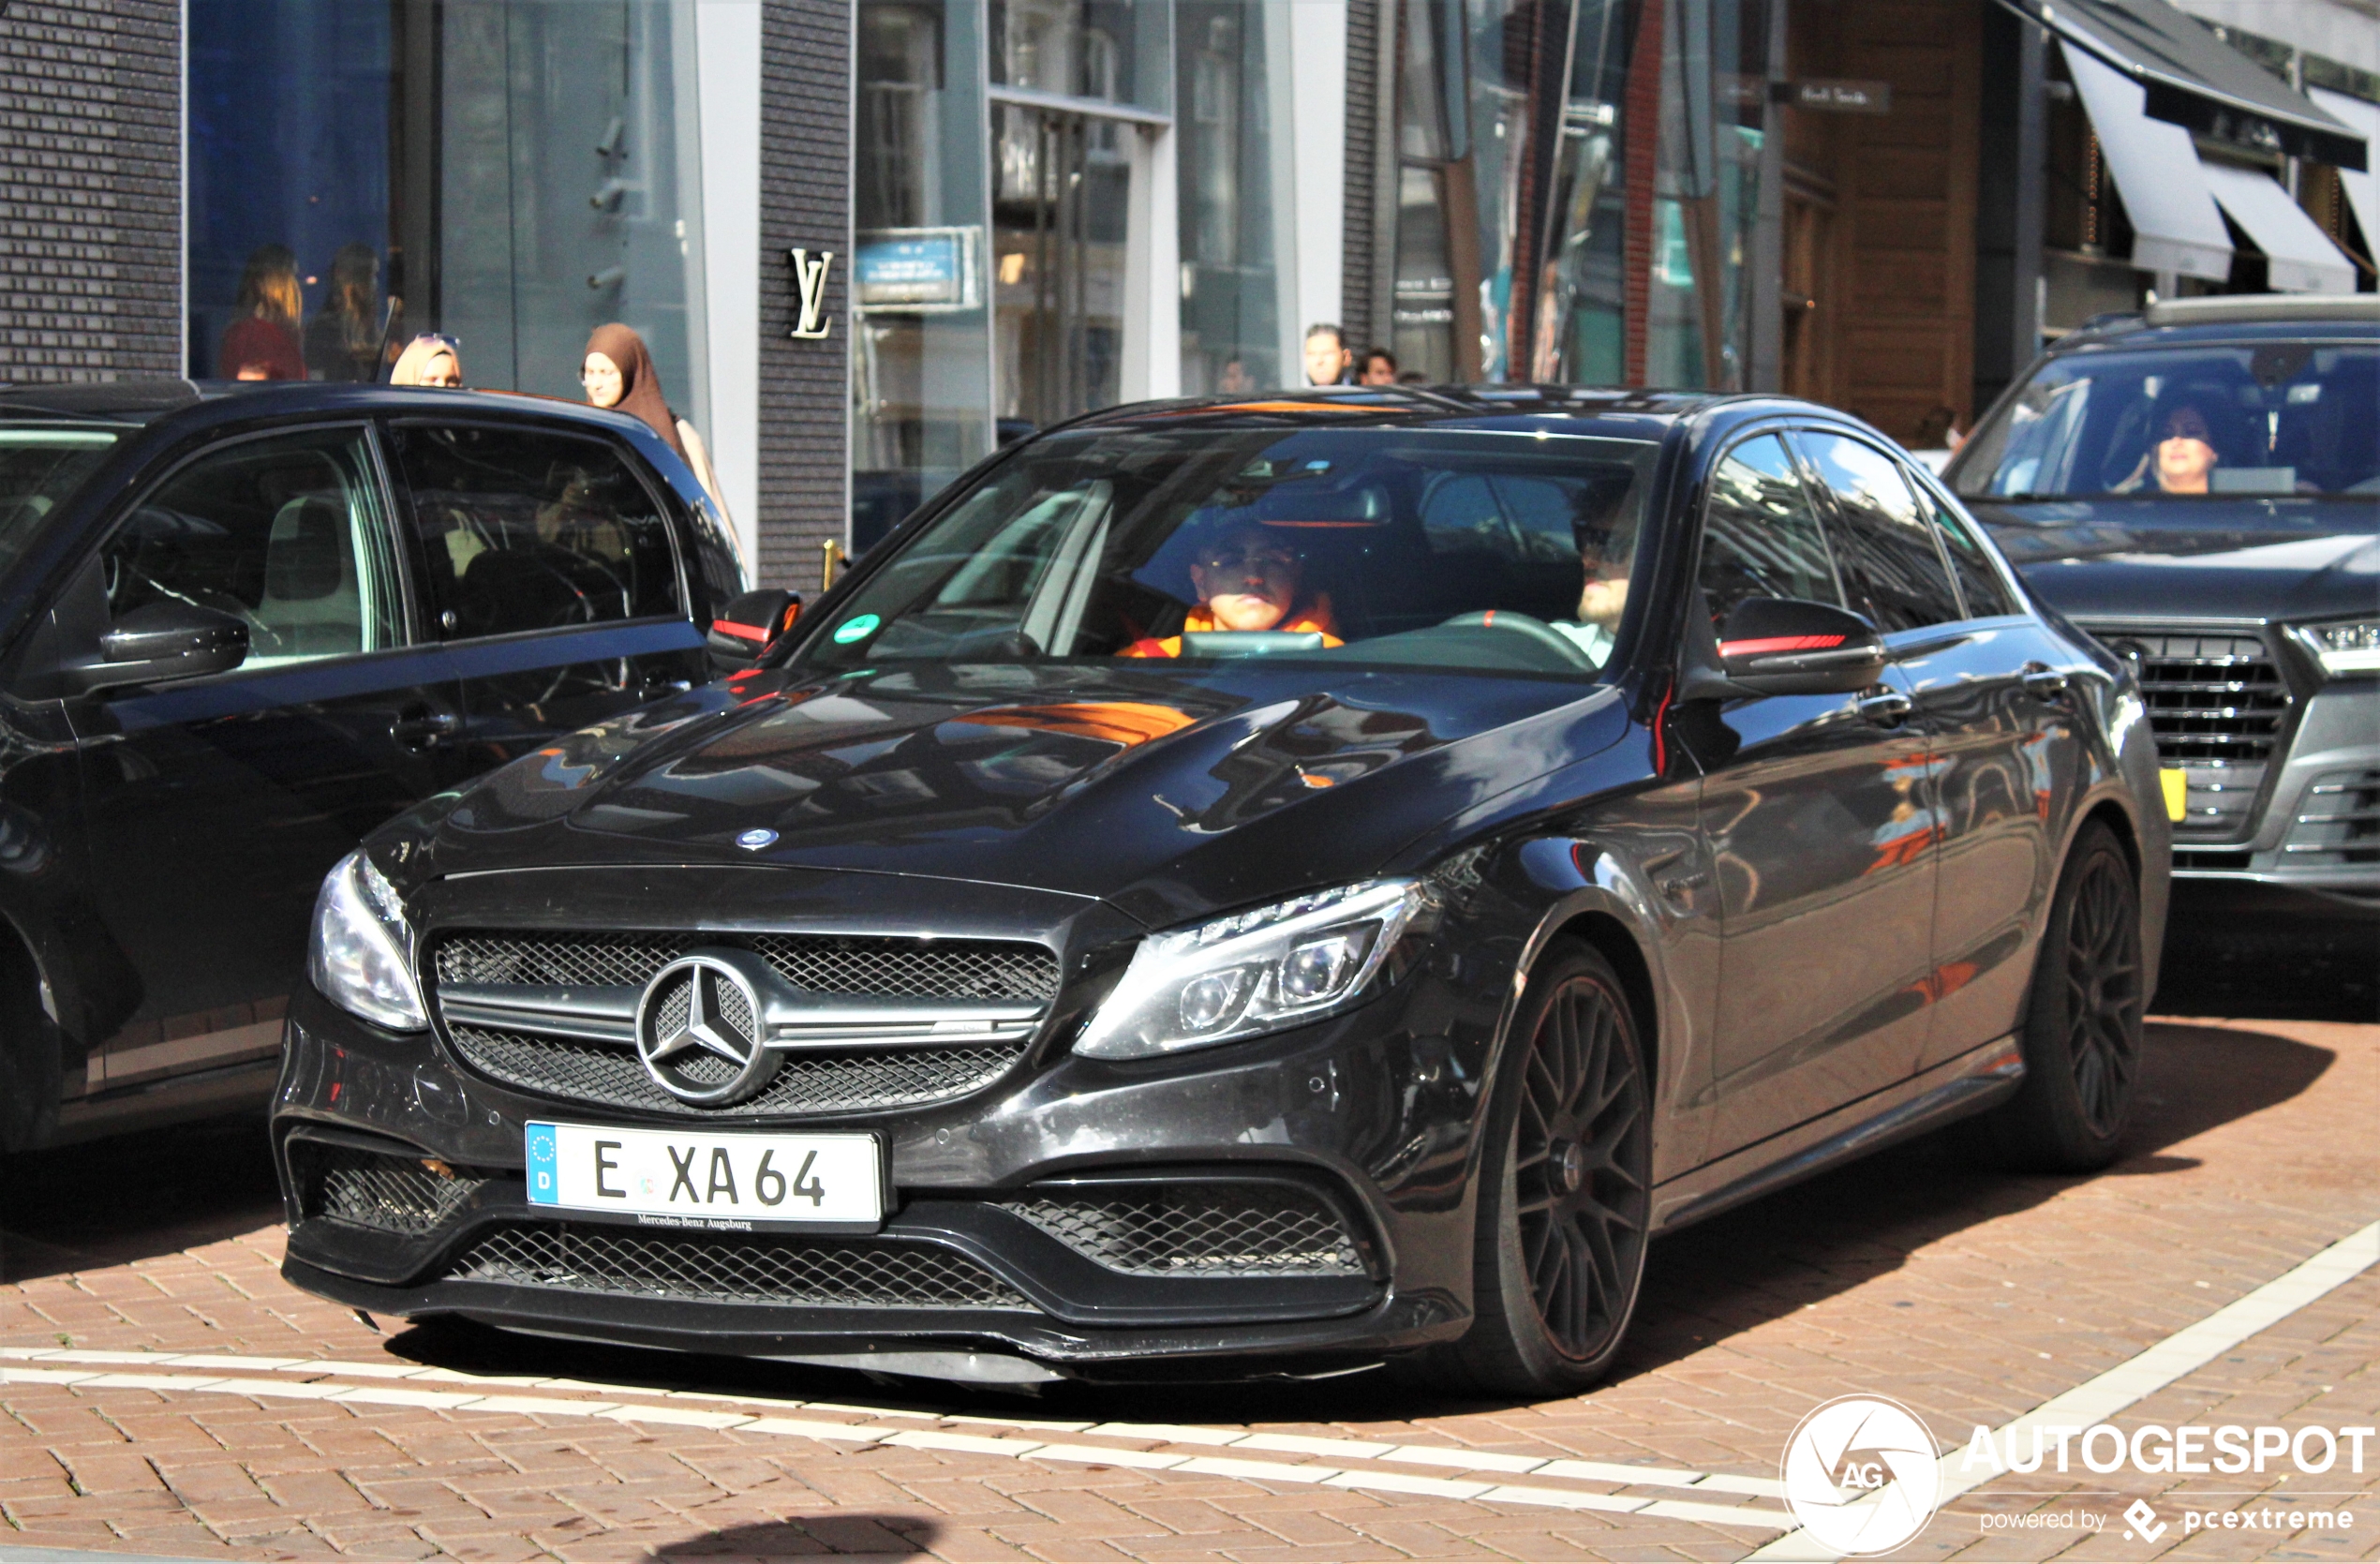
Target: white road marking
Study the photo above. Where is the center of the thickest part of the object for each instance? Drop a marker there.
(2097, 1399)
(558, 1397)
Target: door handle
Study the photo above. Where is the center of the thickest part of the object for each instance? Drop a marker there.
(2041, 679)
(420, 727)
(1888, 709)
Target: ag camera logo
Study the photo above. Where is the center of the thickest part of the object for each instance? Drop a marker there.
(1861, 1475)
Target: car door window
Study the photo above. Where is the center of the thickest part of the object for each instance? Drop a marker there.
(1980, 583)
(526, 530)
(1761, 535)
(1892, 571)
(288, 534)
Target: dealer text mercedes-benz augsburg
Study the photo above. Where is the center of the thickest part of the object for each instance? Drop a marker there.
(1255, 887)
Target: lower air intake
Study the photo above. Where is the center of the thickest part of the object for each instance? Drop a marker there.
(1204, 1229)
(394, 1194)
(734, 1268)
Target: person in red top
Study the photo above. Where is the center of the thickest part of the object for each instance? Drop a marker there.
(263, 344)
(1247, 579)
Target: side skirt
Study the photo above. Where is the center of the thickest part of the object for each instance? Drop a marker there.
(1954, 1089)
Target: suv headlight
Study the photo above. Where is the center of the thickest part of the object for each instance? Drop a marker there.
(2346, 646)
(1255, 972)
(358, 958)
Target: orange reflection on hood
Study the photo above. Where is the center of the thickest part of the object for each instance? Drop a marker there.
(1124, 722)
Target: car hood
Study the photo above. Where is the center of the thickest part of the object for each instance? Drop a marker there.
(1169, 793)
(2213, 559)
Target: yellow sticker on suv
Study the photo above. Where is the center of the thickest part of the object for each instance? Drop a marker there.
(2177, 785)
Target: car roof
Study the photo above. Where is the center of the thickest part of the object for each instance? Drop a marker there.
(1630, 414)
(2247, 317)
(148, 400)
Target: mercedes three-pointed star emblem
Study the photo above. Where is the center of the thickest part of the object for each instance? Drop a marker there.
(698, 1030)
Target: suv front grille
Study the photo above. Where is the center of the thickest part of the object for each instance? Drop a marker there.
(2338, 825)
(394, 1194)
(601, 1066)
(734, 1268)
(1204, 1228)
(2218, 705)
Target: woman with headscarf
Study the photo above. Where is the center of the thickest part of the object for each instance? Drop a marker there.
(617, 373)
(429, 359)
(263, 344)
(343, 340)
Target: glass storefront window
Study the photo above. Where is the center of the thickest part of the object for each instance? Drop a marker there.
(921, 352)
(1114, 51)
(1526, 155)
(1230, 282)
(511, 172)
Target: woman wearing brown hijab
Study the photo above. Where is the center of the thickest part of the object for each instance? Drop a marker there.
(618, 374)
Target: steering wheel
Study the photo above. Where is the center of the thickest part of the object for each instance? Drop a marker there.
(1544, 635)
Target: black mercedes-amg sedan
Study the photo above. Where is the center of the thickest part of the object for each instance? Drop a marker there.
(1252, 888)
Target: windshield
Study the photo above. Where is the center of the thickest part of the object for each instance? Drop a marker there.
(1487, 552)
(2282, 418)
(40, 465)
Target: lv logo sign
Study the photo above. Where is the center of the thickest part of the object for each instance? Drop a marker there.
(810, 289)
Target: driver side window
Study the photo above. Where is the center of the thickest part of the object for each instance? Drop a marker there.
(524, 530)
(286, 535)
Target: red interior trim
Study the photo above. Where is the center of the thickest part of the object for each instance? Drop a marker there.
(1763, 645)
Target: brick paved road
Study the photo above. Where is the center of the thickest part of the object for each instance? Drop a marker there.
(1972, 1298)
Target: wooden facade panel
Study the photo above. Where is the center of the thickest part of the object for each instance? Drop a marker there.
(1913, 73)
(1900, 282)
(1908, 361)
(1901, 175)
(1923, 226)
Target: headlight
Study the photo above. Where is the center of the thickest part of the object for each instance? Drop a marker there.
(358, 958)
(1254, 971)
(2348, 647)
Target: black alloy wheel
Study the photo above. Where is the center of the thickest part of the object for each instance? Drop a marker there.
(1565, 1189)
(2082, 1031)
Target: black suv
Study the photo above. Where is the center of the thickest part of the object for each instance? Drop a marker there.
(1258, 887)
(241, 627)
(2199, 488)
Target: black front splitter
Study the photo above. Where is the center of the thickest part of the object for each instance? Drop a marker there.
(1399, 1323)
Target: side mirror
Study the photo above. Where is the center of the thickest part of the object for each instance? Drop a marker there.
(747, 625)
(1776, 646)
(161, 641)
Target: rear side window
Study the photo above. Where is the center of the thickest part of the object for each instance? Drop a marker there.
(286, 535)
(525, 530)
(1761, 536)
(1980, 585)
(1892, 572)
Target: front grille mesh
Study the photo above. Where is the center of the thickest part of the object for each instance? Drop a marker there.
(2338, 823)
(394, 1194)
(828, 1081)
(2218, 705)
(2211, 696)
(820, 963)
(734, 1268)
(1209, 1229)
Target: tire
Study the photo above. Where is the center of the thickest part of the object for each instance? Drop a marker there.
(2082, 1022)
(1565, 1191)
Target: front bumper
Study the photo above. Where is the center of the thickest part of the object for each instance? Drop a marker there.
(1363, 1117)
(2317, 823)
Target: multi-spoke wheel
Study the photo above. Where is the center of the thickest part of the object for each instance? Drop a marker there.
(2082, 1026)
(1565, 1189)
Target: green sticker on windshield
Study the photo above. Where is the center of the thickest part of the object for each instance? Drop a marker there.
(857, 629)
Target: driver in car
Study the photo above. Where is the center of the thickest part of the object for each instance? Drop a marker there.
(1605, 595)
(2182, 457)
(1247, 578)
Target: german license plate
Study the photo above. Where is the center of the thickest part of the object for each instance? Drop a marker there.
(689, 1178)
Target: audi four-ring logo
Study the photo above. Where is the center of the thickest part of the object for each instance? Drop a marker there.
(698, 1030)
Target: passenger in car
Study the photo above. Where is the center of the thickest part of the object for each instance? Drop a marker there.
(1247, 578)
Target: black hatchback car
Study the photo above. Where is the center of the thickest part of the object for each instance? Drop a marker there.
(1251, 888)
(2198, 486)
(242, 626)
